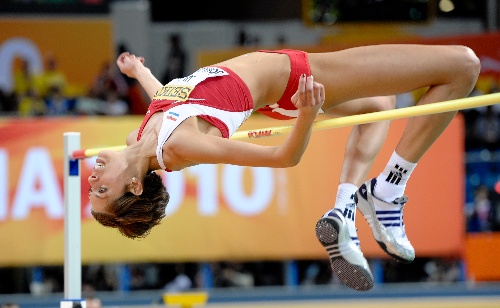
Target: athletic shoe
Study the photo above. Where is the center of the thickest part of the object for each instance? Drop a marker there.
(349, 214)
(386, 222)
(346, 259)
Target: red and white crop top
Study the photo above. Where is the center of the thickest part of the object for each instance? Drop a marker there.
(213, 93)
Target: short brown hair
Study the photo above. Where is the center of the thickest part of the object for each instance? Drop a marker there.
(134, 216)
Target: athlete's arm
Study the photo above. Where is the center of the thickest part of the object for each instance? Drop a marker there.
(192, 146)
(133, 67)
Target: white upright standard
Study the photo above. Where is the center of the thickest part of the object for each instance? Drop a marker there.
(72, 225)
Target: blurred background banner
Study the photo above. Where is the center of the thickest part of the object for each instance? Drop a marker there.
(81, 46)
(216, 212)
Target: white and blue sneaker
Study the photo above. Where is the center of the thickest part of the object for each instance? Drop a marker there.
(346, 259)
(349, 213)
(386, 221)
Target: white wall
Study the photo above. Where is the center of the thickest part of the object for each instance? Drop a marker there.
(131, 25)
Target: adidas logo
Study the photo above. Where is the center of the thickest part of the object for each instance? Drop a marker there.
(396, 175)
(350, 211)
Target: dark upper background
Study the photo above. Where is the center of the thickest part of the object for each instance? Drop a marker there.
(262, 10)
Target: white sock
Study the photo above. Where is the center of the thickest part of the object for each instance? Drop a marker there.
(391, 183)
(345, 203)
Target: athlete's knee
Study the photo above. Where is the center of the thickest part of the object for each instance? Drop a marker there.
(382, 103)
(468, 66)
(471, 61)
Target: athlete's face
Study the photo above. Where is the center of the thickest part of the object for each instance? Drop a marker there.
(107, 182)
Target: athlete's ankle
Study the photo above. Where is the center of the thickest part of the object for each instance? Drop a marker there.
(391, 183)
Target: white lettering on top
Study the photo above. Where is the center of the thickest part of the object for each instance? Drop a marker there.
(38, 187)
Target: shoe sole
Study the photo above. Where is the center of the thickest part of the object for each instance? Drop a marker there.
(354, 276)
(376, 232)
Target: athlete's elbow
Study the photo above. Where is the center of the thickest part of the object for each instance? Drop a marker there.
(285, 158)
(290, 161)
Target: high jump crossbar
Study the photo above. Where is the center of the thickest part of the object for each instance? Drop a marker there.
(394, 114)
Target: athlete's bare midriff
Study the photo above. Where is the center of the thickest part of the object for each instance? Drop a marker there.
(265, 74)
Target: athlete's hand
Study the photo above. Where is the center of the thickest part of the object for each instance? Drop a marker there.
(309, 97)
(129, 64)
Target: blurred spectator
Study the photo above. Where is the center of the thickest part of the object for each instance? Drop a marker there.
(138, 99)
(24, 79)
(144, 276)
(88, 106)
(108, 94)
(494, 88)
(395, 272)
(176, 60)
(57, 103)
(266, 273)
(442, 270)
(92, 301)
(317, 272)
(244, 39)
(480, 212)
(311, 273)
(181, 282)
(280, 40)
(100, 277)
(8, 102)
(232, 274)
(31, 104)
(471, 117)
(51, 77)
(9, 305)
(114, 105)
(486, 129)
(108, 79)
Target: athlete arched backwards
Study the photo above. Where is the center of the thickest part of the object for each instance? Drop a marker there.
(190, 120)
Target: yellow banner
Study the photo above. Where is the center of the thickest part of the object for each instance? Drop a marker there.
(81, 47)
(216, 212)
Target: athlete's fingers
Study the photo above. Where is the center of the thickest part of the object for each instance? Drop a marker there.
(322, 95)
(319, 93)
(308, 91)
(122, 56)
(299, 95)
(312, 91)
(302, 89)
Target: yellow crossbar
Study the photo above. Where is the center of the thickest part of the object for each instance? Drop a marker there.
(419, 110)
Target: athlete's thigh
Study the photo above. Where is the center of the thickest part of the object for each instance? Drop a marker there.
(382, 70)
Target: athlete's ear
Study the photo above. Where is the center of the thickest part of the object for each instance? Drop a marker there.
(135, 187)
